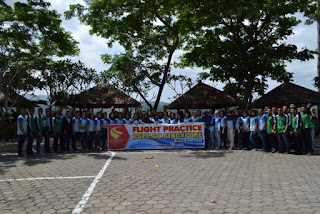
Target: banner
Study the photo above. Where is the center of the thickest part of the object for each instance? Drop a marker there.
(155, 136)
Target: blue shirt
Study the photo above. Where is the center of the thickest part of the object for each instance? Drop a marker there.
(120, 121)
(22, 120)
(173, 121)
(127, 121)
(212, 124)
(187, 120)
(217, 123)
(245, 122)
(262, 121)
(97, 123)
(75, 122)
(223, 121)
(156, 121)
(83, 122)
(253, 122)
(230, 124)
(166, 121)
(104, 122)
(91, 125)
(238, 124)
(136, 121)
(114, 121)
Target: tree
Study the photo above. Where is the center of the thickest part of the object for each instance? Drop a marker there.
(64, 78)
(149, 30)
(242, 42)
(30, 35)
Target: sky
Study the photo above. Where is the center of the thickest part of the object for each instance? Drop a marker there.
(92, 47)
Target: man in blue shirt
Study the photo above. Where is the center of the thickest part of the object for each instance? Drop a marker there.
(262, 129)
(75, 130)
(22, 127)
(47, 129)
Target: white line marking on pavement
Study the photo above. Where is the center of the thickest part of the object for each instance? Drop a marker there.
(89, 191)
(44, 178)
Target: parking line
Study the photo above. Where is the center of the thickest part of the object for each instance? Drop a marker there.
(89, 191)
(44, 178)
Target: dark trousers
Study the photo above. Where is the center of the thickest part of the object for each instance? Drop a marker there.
(62, 142)
(238, 139)
(90, 140)
(75, 138)
(21, 139)
(297, 144)
(206, 138)
(270, 141)
(29, 144)
(97, 139)
(83, 139)
(306, 135)
(55, 142)
(223, 137)
(245, 139)
(46, 141)
(67, 139)
(104, 138)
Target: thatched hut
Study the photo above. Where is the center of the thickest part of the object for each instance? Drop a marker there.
(287, 93)
(203, 96)
(102, 96)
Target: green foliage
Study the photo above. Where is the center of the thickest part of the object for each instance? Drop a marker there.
(149, 30)
(242, 43)
(30, 35)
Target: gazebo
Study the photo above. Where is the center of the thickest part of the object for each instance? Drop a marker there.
(287, 93)
(104, 96)
(203, 96)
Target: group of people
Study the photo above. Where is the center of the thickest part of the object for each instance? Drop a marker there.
(275, 129)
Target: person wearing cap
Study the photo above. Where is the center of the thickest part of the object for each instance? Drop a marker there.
(230, 129)
(217, 125)
(296, 130)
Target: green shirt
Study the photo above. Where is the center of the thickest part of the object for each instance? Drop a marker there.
(39, 123)
(269, 124)
(57, 124)
(282, 121)
(31, 123)
(296, 123)
(306, 121)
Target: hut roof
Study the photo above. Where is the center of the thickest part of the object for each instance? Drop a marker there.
(203, 96)
(288, 93)
(103, 96)
(20, 100)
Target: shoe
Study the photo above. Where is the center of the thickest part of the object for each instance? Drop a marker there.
(286, 153)
(253, 150)
(309, 154)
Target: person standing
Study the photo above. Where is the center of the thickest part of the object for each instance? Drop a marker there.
(203, 119)
(223, 129)
(270, 131)
(238, 130)
(245, 130)
(68, 132)
(90, 130)
(295, 131)
(75, 130)
(97, 128)
(47, 130)
(188, 118)
(253, 129)
(306, 118)
(211, 130)
(39, 129)
(22, 127)
(262, 129)
(104, 127)
(313, 124)
(57, 129)
(217, 126)
(31, 131)
(281, 124)
(230, 129)
(83, 130)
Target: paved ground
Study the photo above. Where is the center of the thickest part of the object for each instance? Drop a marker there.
(177, 181)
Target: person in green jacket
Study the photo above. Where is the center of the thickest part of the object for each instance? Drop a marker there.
(281, 126)
(31, 131)
(296, 130)
(57, 128)
(39, 129)
(306, 118)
